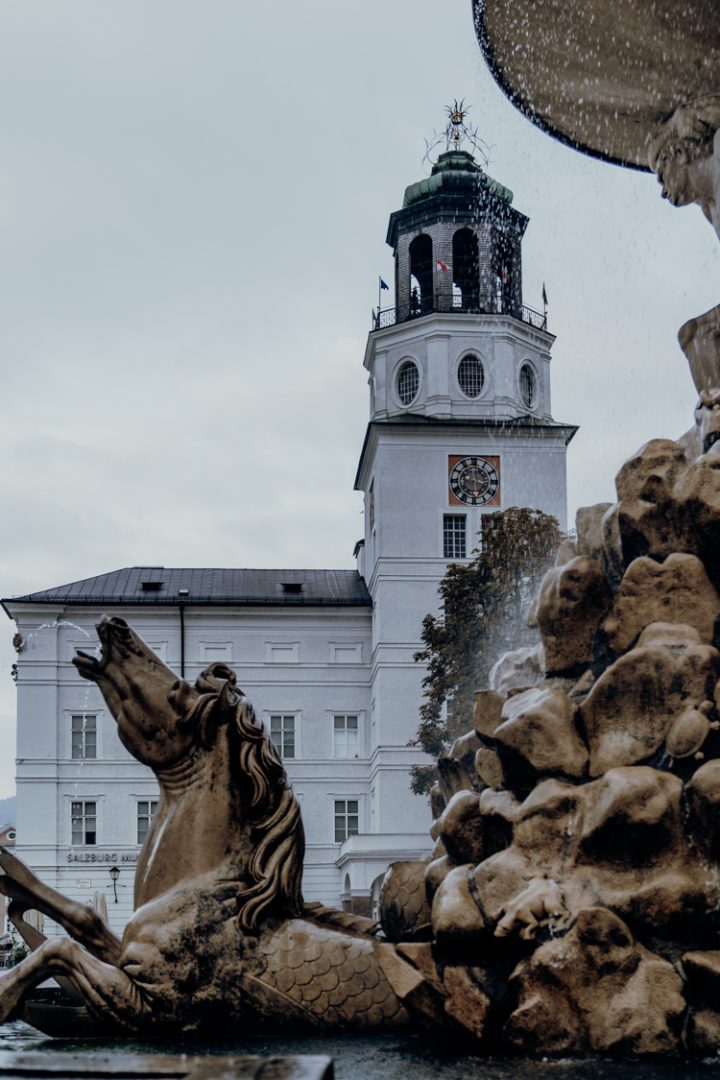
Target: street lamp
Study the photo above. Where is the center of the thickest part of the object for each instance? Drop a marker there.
(114, 874)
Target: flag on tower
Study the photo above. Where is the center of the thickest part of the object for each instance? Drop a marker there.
(544, 295)
(441, 265)
(384, 284)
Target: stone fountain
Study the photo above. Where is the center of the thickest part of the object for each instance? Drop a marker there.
(576, 871)
(571, 903)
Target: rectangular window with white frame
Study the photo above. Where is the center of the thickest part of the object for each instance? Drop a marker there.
(347, 819)
(346, 735)
(146, 810)
(83, 820)
(83, 728)
(283, 734)
(454, 536)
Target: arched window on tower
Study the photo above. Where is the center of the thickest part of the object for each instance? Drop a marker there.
(466, 270)
(504, 299)
(421, 275)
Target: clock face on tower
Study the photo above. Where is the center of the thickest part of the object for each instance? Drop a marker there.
(474, 480)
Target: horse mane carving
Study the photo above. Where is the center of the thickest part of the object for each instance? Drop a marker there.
(277, 860)
(268, 802)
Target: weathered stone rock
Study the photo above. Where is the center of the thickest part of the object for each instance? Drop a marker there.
(455, 775)
(464, 749)
(462, 830)
(436, 872)
(631, 707)
(702, 1034)
(707, 409)
(702, 973)
(703, 797)
(567, 551)
(403, 903)
(498, 810)
(675, 591)
(456, 916)
(541, 822)
(688, 734)
(588, 526)
(487, 712)
(467, 1001)
(518, 670)
(650, 519)
(670, 504)
(573, 598)
(582, 687)
(617, 842)
(698, 496)
(630, 816)
(437, 801)
(538, 737)
(612, 561)
(595, 989)
(488, 768)
(673, 636)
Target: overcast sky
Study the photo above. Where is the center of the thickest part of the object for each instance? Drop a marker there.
(194, 196)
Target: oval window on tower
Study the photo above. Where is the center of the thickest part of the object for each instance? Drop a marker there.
(408, 382)
(471, 377)
(528, 386)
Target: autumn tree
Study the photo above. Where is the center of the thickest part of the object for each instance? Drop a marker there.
(484, 613)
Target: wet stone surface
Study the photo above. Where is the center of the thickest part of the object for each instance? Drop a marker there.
(374, 1057)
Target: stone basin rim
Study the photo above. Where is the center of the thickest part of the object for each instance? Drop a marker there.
(526, 85)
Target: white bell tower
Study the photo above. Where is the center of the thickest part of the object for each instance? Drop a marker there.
(460, 426)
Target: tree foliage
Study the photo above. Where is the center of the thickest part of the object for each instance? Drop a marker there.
(484, 613)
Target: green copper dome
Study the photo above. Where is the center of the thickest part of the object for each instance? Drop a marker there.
(455, 172)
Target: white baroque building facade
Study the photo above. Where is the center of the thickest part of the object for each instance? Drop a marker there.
(460, 426)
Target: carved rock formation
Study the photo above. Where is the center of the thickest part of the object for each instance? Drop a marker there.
(631, 707)
(596, 989)
(518, 670)
(675, 591)
(576, 874)
(538, 737)
(578, 593)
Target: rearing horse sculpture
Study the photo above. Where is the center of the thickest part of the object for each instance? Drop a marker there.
(220, 927)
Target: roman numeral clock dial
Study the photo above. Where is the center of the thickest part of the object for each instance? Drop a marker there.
(474, 481)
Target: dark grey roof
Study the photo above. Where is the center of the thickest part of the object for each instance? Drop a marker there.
(159, 585)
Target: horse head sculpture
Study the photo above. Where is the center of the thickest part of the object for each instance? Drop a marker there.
(161, 718)
(249, 821)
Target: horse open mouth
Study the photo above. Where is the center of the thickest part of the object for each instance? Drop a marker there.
(90, 666)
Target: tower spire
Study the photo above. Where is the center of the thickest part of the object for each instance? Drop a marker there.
(456, 132)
